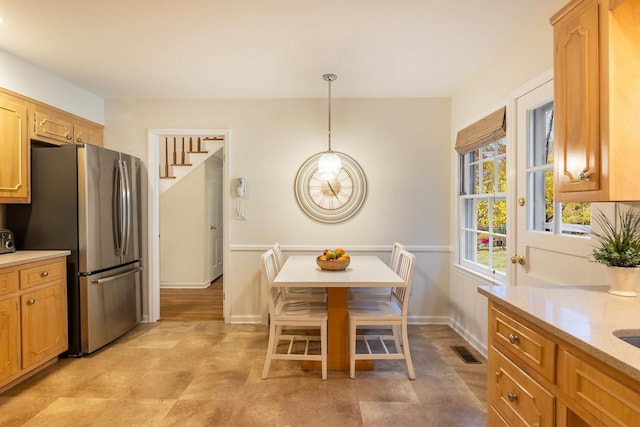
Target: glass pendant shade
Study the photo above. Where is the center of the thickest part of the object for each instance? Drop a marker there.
(329, 165)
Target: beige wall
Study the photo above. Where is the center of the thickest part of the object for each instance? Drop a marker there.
(402, 145)
(183, 237)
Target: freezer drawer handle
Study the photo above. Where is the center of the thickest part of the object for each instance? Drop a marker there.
(118, 276)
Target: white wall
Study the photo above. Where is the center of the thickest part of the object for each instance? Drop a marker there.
(402, 145)
(26, 79)
(529, 56)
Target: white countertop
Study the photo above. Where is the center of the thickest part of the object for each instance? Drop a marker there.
(363, 271)
(584, 316)
(23, 257)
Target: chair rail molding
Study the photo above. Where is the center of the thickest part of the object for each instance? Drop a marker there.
(352, 248)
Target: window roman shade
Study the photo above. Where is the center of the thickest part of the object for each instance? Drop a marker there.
(482, 132)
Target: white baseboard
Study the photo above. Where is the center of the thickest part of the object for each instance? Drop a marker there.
(428, 320)
(184, 285)
(246, 319)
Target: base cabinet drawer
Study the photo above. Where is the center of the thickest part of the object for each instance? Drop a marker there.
(42, 273)
(599, 391)
(516, 397)
(521, 342)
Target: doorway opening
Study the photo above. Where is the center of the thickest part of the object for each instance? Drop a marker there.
(211, 253)
(192, 305)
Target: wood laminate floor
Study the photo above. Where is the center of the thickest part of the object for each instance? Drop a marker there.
(192, 304)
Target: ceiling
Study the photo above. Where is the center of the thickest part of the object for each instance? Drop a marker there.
(144, 49)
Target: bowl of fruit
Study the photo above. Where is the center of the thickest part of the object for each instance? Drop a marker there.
(334, 260)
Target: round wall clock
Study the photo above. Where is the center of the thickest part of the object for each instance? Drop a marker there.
(330, 200)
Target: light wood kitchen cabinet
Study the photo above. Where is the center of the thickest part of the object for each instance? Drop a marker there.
(24, 119)
(596, 99)
(88, 133)
(33, 317)
(516, 398)
(603, 393)
(537, 378)
(57, 127)
(9, 339)
(43, 317)
(14, 145)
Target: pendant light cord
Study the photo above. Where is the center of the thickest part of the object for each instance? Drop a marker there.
(329, 134)
(329, 78)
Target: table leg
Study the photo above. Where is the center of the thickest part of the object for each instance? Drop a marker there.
(338, 329)
(338, 334)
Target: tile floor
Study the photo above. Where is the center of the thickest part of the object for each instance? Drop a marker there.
(208, 374)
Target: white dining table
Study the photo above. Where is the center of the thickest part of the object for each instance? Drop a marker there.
(363, 271)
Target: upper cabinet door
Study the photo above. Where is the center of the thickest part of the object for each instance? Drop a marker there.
(51, 127)
(577, 100)
(14, 146)
(88, 134)
(597, 99)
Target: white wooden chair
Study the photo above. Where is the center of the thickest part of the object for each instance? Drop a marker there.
(296, 316)
(298, 293)
(383, 314)
(378, 294)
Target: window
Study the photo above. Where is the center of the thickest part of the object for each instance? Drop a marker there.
(483, 207)
(483, 194)
(572, 219)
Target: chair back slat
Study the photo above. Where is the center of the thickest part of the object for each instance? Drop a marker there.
(395, 255)
(277, 250)
(406, 265)
(270, 270)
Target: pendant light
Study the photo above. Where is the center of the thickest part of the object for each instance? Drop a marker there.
(329, 164)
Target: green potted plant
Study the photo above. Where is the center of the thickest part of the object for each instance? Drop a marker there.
(619, 249)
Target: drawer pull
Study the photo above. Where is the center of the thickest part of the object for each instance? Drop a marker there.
(31, 301)
(512, 397)
(45, 273)
(514, 339)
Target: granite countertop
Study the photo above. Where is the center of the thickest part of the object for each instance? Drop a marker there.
(23, 257)
(584, 316)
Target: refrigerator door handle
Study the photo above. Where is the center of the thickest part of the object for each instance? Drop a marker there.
(117, 276)
(117, 209)
(126, 211)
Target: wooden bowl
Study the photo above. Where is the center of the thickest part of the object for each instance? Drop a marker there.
(333, 265)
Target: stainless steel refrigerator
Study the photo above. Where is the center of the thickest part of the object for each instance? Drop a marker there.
(87, 199)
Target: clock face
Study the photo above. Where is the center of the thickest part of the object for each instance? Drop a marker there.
(330, 200)
(331, 193)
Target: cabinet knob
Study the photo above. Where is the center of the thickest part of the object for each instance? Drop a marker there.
(512, 397)
(31, 301)
(584, 175)
(68, 136)
(45, 273)
(79, 139)
(514, 339)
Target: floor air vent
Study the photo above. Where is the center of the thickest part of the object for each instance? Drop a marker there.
(464, 354)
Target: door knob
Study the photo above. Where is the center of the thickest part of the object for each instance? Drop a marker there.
(517, 260)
